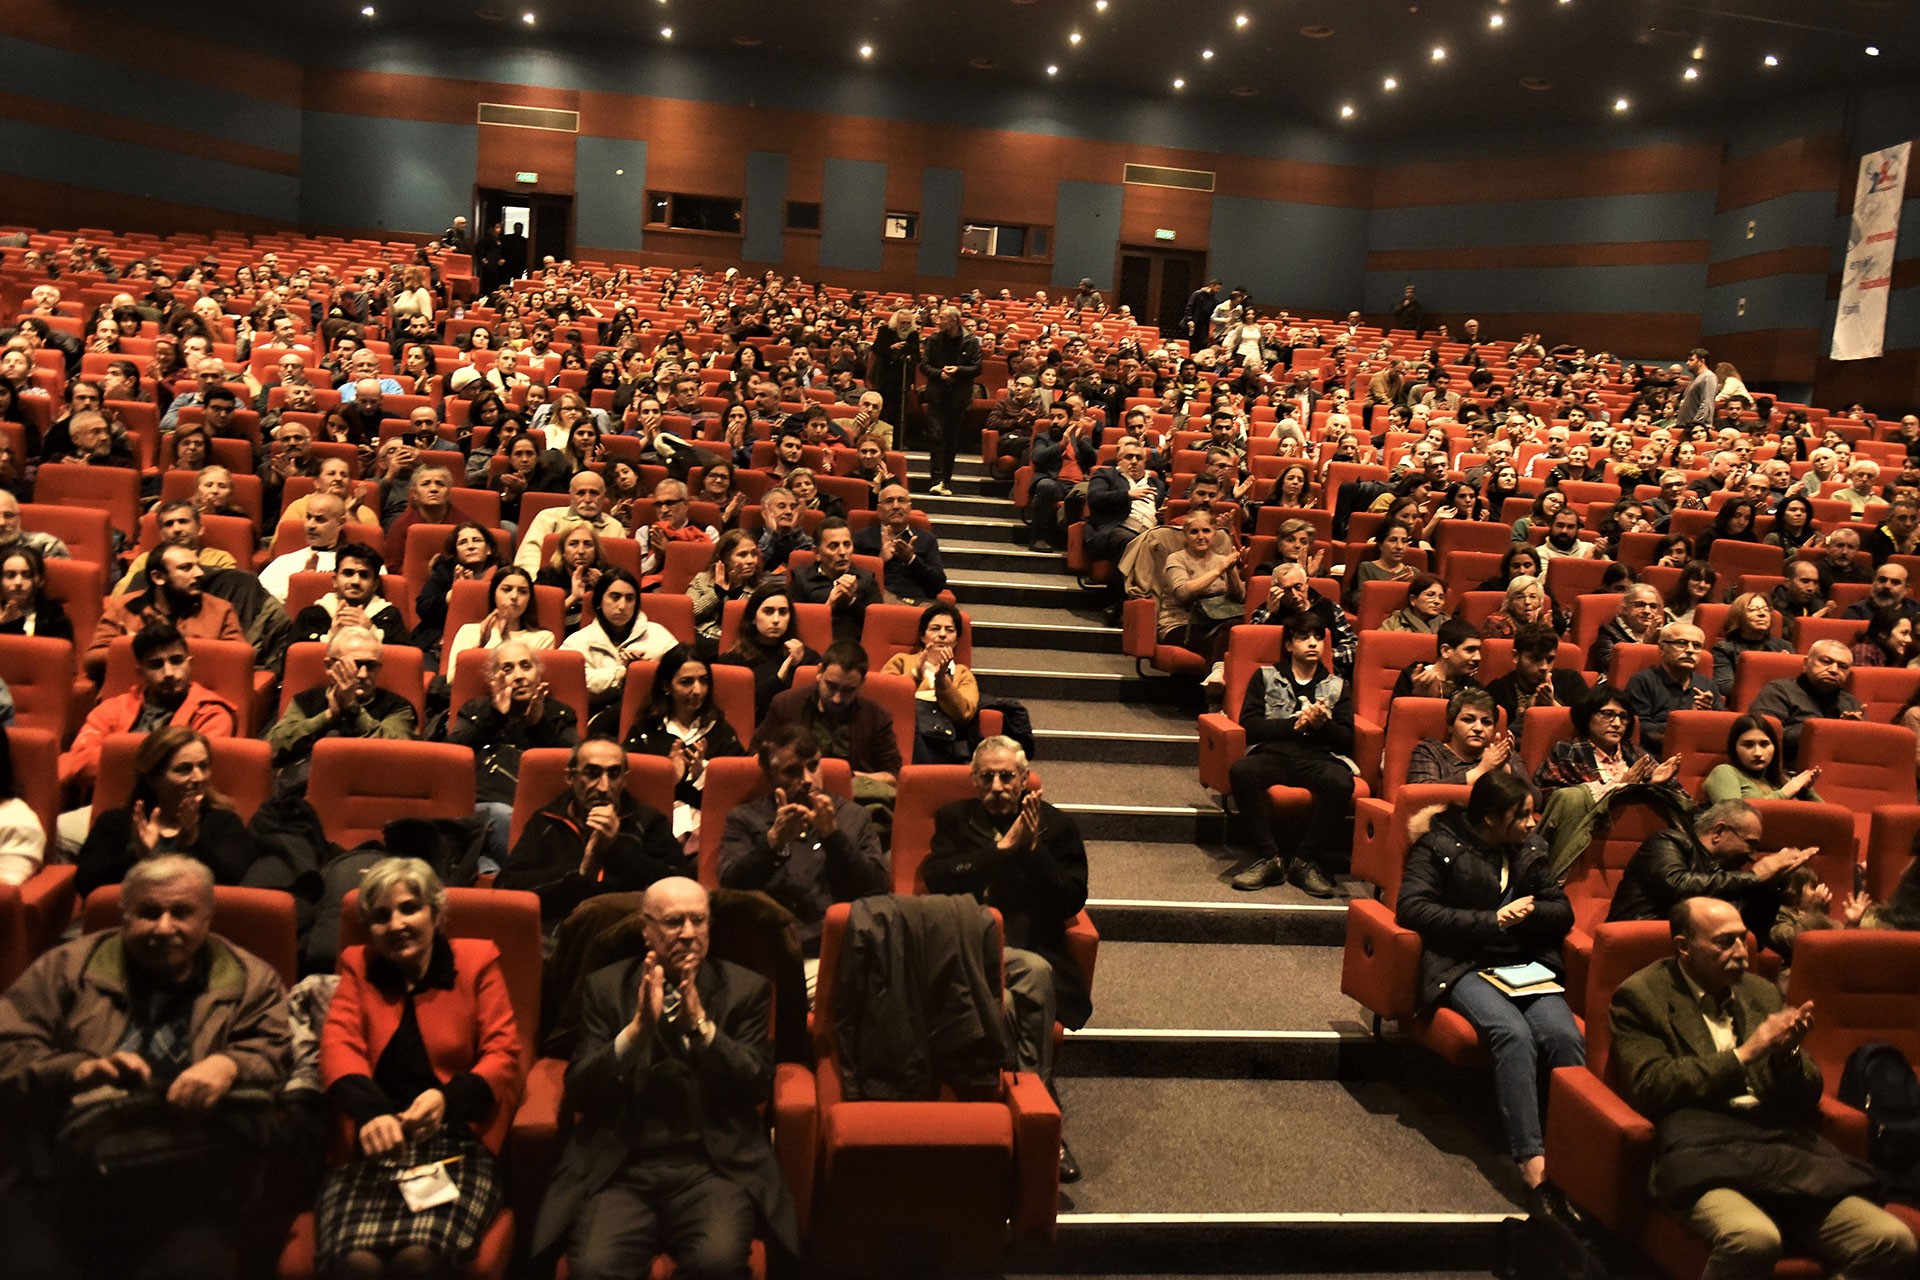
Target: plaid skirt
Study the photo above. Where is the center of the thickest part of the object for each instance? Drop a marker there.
(360, 1205)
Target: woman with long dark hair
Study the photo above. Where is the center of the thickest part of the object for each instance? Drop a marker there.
(683, 723)
(769, 644)
(175, 808)
(1753, 768)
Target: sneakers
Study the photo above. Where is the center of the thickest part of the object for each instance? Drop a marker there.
(939, 489)
(1261, 875)
(1216, 678)
(1310, 879)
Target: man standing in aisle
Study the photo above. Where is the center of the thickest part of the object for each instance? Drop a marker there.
(950, 362)
(1696, 405)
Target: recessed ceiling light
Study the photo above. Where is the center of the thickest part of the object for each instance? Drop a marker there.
(1099, 6)
(1439, 54)
(1244, 91)
(666, 33)
(1073, 37)
(866, 51)
(1699, 53)
(1620, 104)
(1770, 61)
(1053, 69)
(1241, 19)
(1346, 111)
(1873, 51)
(1179, 82)
(1206, 55)
(367, 12)
(527, 17)
(1496, 19)
(1691, 73)
(1316, 31)
(1389, 84)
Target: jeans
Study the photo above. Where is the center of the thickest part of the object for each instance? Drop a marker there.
(499, 818)
(1327, 832)
(1518, 1032)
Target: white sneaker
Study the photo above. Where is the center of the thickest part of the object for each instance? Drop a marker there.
(1217, 677)
(939, 489)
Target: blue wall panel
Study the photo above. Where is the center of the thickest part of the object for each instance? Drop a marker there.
(1678, 215)
(1295, 255)
(140, 93)
(1086, 233)
(1572, 289)
(941, 193)
(1794, 221)
(609, 204)
(764, 232)
(853, 204)
(1773, 302)
(57, 155)
(424, 170)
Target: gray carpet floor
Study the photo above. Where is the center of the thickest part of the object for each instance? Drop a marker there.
(1267, 988)
(1283, 1146)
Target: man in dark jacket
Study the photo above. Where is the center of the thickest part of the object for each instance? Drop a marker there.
(355, 601)
(516, 715)
(347, 704)
(950, 361)
(593, 838)
(1818, 693)
(841, 723)
(669, 1153)
(912, 556)
(1673, 865)
(1711, 1055)
(801, 846)
(1298, 719)
(833, 579)
(1123, 501)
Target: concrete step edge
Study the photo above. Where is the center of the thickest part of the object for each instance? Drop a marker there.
(1251, 907)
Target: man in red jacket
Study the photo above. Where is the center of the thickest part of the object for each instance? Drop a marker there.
(166, 694)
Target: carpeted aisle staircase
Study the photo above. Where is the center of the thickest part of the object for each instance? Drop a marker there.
(1231, 1111)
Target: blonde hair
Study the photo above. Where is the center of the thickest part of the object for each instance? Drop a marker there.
(388, 874)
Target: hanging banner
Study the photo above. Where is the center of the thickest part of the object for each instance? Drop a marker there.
(1860, 328)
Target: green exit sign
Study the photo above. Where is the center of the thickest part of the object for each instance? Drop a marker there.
(1163, 233)
(530, 178)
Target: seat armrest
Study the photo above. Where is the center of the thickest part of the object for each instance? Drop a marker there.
(49, 900)
(1844, 1126)
(539, 1128)
(1372, 842)
(796, 1133)
(1369, 744)
(1576, 954)
(1083, 945)
(1222, 742)
(1380, 966)
(1599, 1149)
(1036, 1156)
(1137, 638)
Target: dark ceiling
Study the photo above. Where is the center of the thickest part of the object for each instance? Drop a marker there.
(1546, 62)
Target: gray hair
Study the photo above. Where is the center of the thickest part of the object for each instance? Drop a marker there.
(1724, 814)
(150, 873)
(389, 874)
(345, 634)
(1001, 742)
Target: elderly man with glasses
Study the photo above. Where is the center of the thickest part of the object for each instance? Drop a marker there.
(1673, 684)
(1719, 858)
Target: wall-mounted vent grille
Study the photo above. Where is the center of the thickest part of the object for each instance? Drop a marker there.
(534, 117)
(1153, 175)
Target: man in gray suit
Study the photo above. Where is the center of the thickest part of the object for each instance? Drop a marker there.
(669, 1153)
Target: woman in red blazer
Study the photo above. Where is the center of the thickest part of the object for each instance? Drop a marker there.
(422, 1055)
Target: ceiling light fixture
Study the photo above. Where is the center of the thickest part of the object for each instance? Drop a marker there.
(1620, 104)
(666, 33)
(1496, 20)
(866, 51)
(1389, 84)
(367, 12)
(1873, 51)
(1770, 61)
(1346, 111)
(1691, 73)
(527, 17)
(1073, 38)
(1439, 54)
(1099, 6)
(1699, 53)
(1241, 20)
(1053, 69)
(1206, 55)
(1179, 82)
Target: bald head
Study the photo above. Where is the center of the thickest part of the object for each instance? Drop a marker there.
(675, 916)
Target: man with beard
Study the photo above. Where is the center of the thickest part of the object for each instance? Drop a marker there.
(165, 694)
(355, 601)
(179, 527)
(1889, 591)
(1563, 539)
(173, 595)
